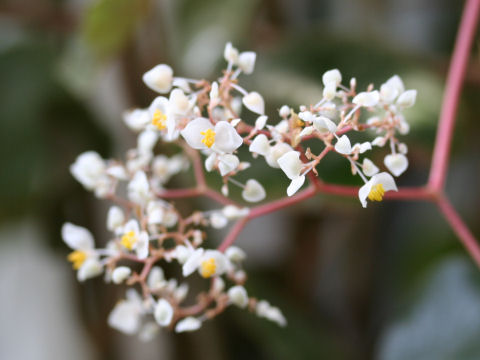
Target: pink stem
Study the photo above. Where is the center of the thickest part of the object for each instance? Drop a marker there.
(179, 193)
(451, 97)
(233, 234)
(459, 227)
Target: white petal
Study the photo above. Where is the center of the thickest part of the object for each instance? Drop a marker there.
(260, 145)
(364, 191)
(163, 313)
(386, 180)
(227, 139)
(343, 145)
(192, 131)
(77, 237)
(139, 189)
(295, 184)
(230, 53)
(369, 168)
(89, 269)
(159, 103)
(159, 78)
(141, 246)
(238, 296)
(118, 172)
(253, 191)
(246, 61)
(396, 163)
(125, 317)
(131, 225)
(227, 163)
(261, 122)
(210, 161)
(396, 82)
(365, 146)
(221, 261)
(330, 90)
(253, 101)
(276, 152)
(193, 262)
(155, 212)
(137, 119)
(407, 99)
(235, 254)
(284, 111)
(218, 220)
(115, 218)
(146, 141)
(388, 93)
(324, 124)
(306, 131)
(306, 116)
(332, 76)
(379, 141)
(233, 212)
(188, 324)
(291, 164)
(156, 278)
(121, 273)
(88, 168)
(179, 102)
(367, 99)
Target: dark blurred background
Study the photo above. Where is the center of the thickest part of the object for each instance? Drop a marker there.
(389, 282)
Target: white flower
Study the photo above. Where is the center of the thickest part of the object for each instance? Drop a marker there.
(230, 53)
(376, 187)
(332, 76)
(139, 189)
(407, 99)
(179, 102)
(208, 263)
(134, 239)
(137, 119)
(365, 146)
(238, 296)
(188, 324)
(227, 163)
(233, 212)
(343, 145)
(291, 164)
(163, 312)
(218, 220)
(284, 111)
(83, 258)
(126, 315)
(146, 142)
(276, 152)
(159, 78)
(396, 82)
(295, 184)
(261, 122)
(155, 212)
(121, 273)
(367, 99)
(246, 61)
(253, 101)
(379, 141)
(324, 124)
(156, 279)
(329, 91)
(201, 134)
(396, 163)
(253, 191)
(89, 169)
(272, 313)
(369, 168)
(235, 254)
(260, 145)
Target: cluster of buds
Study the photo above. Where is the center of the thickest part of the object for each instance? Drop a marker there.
(149, 235)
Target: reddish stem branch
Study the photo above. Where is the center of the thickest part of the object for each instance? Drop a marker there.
(233, 234)
(456, 75)
(459, 227)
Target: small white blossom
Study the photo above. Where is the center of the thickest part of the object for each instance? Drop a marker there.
(369, 168)
(163, 313)
(254, 102)
(139, 189)
(324, 124)
(291, 164)
(156, 279)
(261, 122)
(332, 76)
(246, 61)
(284, 111)
(276, 152)
(407, 99)
(343, 145)
(188, 324)
(218, 220)
(137, 119)
(126, 315)
(134, 239)
(396, 163)
(89, 170)
(362, 147)
(120, 274)
(376, 187)
(233, 212)
(115, 219)
(272, 313)
(367, 99)
(159, 78)
(235, 254)
(253, 191)
(260, 145)
(238, 296)
(230, 53)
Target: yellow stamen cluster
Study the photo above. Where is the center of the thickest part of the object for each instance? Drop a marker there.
(376, 193)
(209, 137)
(159, 120)
(208, 268)
(77, 258)
(129, 239)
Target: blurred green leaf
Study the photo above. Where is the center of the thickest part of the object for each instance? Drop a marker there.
(110, 24)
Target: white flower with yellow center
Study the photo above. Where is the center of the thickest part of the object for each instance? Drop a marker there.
(134, 239)
(375, 188)
(84, 257)
(208, 263)
(126, 315)
(222, 137)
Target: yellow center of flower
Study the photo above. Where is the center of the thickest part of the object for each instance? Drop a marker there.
(208, 137)
(77, 258)
(376, 193)
(159, 120)
(129, 239)
(208, 267)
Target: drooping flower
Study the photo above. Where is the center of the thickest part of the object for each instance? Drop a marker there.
(376, 187)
